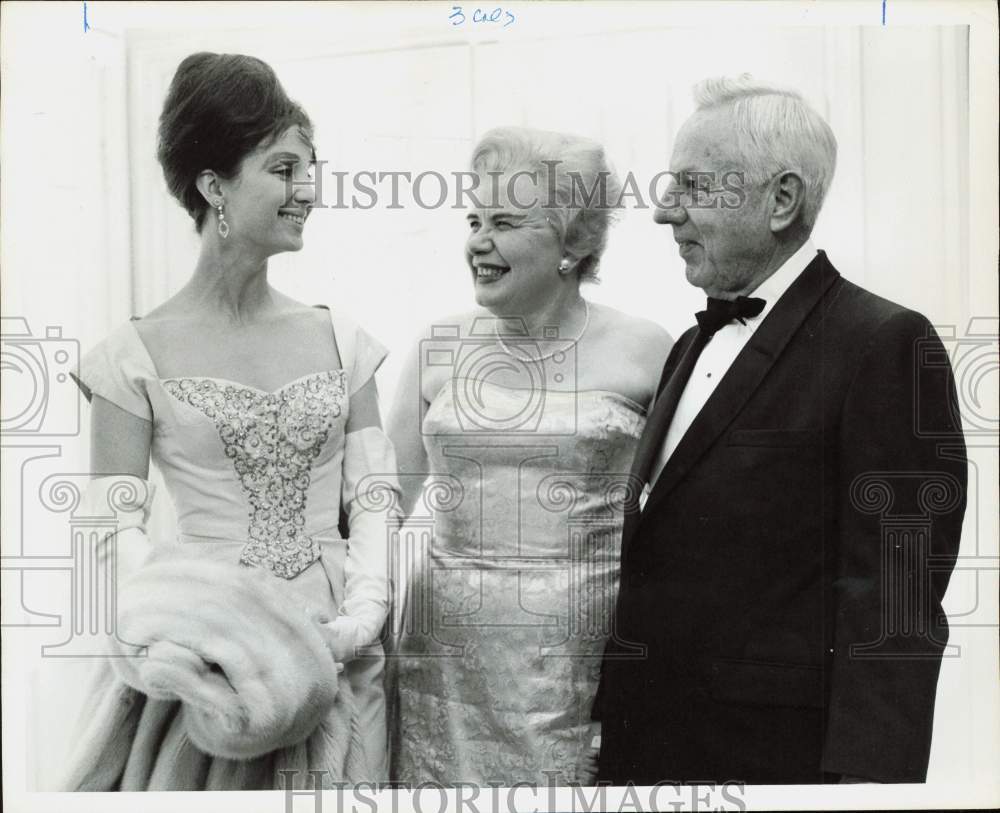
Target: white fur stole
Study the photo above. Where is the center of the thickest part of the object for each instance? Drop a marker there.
(245, 658)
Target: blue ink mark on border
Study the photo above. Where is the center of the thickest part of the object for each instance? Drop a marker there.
(883, 11)
(457, 16)
(86, 25)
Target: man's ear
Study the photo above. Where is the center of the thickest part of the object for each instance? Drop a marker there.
(789, 197)
(208, 184)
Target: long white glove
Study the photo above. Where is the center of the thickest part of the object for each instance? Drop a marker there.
(371, 497)
(128, 499)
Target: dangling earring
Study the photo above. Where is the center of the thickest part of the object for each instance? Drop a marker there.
(223, 225)
(563, 265)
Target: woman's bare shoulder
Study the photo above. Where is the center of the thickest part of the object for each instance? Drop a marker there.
(180, 308)
(165, 323)
(635, 335)
(287, 306)
(627, 352)
(170, 310)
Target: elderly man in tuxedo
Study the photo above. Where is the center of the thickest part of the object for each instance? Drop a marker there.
(779, 618)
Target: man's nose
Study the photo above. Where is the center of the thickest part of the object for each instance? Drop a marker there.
(669, 214)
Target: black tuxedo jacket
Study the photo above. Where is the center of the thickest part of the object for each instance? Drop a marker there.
(779, 617)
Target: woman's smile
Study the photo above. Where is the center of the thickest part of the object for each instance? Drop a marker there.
(487, 273)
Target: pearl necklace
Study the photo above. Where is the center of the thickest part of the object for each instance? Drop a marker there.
(532, 359)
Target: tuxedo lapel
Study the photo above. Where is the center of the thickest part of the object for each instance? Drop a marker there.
(745, 375)
(651, 438)
(647, 442)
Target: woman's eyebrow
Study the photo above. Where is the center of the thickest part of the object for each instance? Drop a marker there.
(282, 156)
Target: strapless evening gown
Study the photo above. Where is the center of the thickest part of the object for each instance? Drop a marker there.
(510, 602)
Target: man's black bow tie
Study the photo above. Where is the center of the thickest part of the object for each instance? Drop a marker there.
(720, 312)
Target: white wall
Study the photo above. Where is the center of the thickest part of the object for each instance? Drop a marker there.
(419, 106)
(90, 236)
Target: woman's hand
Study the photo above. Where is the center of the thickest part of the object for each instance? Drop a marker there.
(586, 766)
(339, 640)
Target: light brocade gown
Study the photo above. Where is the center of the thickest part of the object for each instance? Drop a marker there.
(510, 604)
(256, 478)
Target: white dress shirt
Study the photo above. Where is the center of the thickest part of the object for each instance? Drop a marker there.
(721, 351)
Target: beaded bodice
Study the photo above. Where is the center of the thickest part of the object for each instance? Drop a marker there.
(272, 440)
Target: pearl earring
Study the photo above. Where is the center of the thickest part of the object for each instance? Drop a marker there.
(223, 225)
(563, 265)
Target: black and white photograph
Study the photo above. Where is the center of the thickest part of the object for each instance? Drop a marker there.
(547, 406)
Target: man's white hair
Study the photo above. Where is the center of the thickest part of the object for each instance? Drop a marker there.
(776, 130)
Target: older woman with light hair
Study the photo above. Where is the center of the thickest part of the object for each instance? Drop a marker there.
(517, 423)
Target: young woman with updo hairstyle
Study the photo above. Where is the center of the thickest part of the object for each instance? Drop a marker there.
(261, 414)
